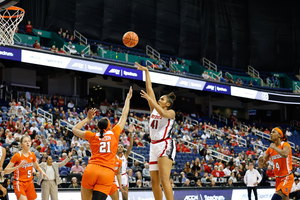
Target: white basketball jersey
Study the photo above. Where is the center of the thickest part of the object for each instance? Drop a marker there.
(160, 127)
(124, 164)
(1, 152)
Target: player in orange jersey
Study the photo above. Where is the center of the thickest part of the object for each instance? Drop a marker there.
(280, 154)
(98, 176)
(22, 164)
(114, 193)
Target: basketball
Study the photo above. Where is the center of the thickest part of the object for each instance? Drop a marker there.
(130, 39)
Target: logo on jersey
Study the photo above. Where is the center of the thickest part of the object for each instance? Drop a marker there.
(168, 152)
(156, 117)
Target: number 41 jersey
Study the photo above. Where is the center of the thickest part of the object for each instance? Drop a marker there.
(104, 149)
(160, 127)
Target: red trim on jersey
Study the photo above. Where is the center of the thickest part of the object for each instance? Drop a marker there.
(153, 162)
(164, 149)
(166, 129)
(158, 141)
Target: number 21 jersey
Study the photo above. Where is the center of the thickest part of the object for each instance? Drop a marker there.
(160, 127)
(104, 149)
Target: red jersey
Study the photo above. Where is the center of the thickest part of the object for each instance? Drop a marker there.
(283, 166)
(104, 150)
(24, 173)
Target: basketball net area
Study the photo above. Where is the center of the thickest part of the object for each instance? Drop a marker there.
(9, 20)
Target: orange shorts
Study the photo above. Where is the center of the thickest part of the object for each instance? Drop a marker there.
(25, 188)
(98, 178)
(285, 184)
(113, 189)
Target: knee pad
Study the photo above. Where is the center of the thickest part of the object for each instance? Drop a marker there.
(99, 195)
(276, 197)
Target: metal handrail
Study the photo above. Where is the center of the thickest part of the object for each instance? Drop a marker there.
(194, 122)
(45, 114)
(80, 37)
(255, 74)
(66, 124)
(221, 156)
(151, 66)
(65, 47)
(297, 89)
(17, 38)
(220, 118)
(152, 53)
(136, 155)
(29, 105)
(243, 141)
(173, 66)
(86, 50)
(228, 75)
(267, 136)
(209, 65)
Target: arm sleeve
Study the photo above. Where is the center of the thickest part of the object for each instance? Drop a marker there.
(245, 177)
(117, 131)
(88, 135)
(259, 177)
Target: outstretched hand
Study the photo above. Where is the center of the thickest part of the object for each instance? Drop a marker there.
(91, 113)
(144, 95)
(129, 94)
(140, 67)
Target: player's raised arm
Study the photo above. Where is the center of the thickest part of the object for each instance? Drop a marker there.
(130, 130)
(170, 114)
(149, 88)
(125, 110)
(77, 128)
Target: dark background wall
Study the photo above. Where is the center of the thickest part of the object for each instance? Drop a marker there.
(264, 34)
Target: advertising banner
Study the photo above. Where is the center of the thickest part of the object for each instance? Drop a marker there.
(213, 87)
(190, 83)
(262, 194)
(203, 194)
(124, 72)
(87, 66)
(10, 53)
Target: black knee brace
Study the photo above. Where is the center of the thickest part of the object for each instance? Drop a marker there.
(99, 195)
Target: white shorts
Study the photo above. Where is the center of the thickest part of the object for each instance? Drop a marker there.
(160, 149)
(124, 180)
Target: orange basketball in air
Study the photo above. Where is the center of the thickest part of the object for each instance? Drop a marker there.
(130, 39)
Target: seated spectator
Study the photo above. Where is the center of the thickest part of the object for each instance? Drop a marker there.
(186, 183)
(205, 75)
(270, 173)
(131, 178)
(227, 171)
(34, 45)
(64, 156)
(198, 183)
(232, 177)
(250, 83)
(70, 104)
(38, 46)
(139, 183)
(136, 167)
(34, 128)
(146, 172)
(9, 139)
(76, 169)
(54, 147)
(229, 184)
(61, 51)
(53, 48)
(74, 183)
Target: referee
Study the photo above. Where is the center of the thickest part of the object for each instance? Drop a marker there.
(252, 178)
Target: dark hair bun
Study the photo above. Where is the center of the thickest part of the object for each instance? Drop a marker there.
(172, 96)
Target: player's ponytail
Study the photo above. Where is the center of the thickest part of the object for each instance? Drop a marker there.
(171, 98)
(103, 125)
